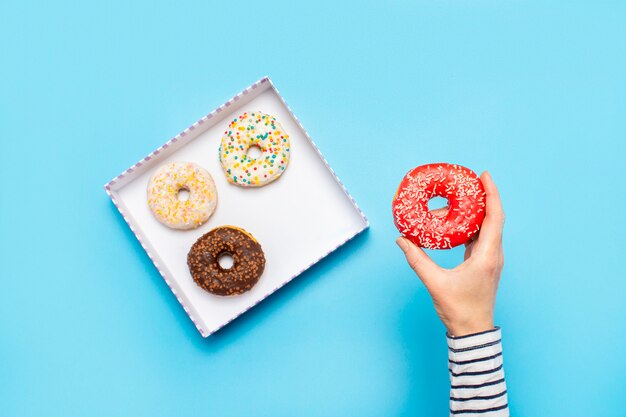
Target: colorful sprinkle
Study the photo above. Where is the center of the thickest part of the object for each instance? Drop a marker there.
(268, 136)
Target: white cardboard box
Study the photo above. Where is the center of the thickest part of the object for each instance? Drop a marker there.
(298, 219)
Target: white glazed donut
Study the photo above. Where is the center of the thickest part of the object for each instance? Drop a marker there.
(254, 129)
(164, 202)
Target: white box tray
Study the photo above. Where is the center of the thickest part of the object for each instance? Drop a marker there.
(298, 219)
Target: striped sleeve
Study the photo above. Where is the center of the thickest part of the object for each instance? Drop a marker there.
(477, 376)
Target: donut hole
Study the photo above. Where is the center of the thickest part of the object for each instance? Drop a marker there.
(438, 206)
(225, 260)
(183, 194)
(254, 152)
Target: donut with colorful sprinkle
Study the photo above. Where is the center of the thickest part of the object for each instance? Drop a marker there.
(443, 229)
(259, 130)
(165, 202)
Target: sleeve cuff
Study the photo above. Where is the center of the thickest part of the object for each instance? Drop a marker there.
(474, 341)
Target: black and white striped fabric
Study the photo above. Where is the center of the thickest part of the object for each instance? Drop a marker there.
(476, 375)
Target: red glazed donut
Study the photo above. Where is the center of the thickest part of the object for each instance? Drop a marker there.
(466, 201)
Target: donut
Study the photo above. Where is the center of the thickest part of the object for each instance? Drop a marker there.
(466, 205)
(260, 130)
(163, 198)
(248, 261)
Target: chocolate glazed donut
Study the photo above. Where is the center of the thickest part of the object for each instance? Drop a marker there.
(248, 261)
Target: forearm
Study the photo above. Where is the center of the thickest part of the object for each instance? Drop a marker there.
(477, 375)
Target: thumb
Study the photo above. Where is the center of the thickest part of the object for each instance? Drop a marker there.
(421, 263)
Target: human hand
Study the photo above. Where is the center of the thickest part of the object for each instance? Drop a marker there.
(465, 296)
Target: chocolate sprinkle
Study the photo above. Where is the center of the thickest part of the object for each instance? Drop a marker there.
(248, 261)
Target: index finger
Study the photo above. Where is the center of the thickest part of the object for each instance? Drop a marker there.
(490, 236)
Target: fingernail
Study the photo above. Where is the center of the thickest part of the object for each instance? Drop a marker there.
(402, 243)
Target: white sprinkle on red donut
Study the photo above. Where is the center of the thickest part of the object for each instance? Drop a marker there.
(466, 201)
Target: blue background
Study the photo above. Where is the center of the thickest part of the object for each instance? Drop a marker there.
(533, 91)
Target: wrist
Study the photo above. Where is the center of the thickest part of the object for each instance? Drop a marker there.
(470, 327)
